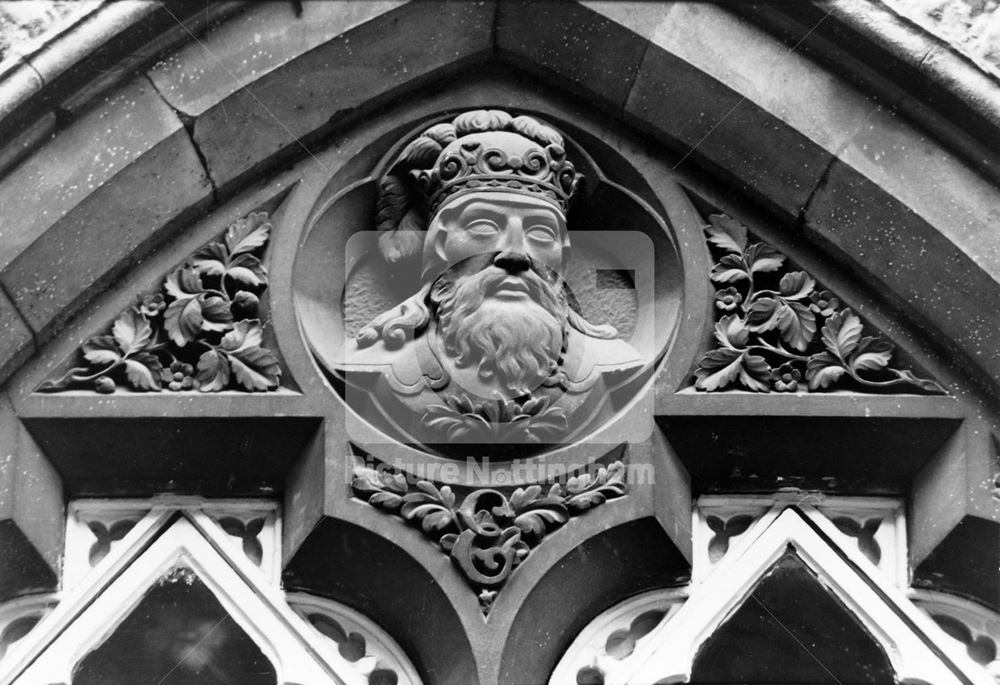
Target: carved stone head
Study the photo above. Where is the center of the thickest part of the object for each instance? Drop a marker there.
(483, 200)
(454, 173)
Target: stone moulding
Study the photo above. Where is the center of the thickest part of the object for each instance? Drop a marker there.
(200, 331)
(778, 330)
(489, 533)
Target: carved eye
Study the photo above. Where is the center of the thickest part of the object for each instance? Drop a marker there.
(482, 228)
(541, 233)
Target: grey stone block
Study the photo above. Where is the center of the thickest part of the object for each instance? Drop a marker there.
(16, 340)
(276, 112)
(584, 48)
(131, 171)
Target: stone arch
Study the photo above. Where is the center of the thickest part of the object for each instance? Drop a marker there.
(821, 180)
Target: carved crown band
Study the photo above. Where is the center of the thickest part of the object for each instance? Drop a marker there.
(540, 172)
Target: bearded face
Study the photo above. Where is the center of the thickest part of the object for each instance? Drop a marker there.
(507, 323)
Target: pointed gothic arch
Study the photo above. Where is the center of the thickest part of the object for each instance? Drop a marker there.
(846, 168)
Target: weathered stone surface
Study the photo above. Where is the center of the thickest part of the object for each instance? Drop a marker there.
(20, 22)
(970, 27)
(17, 83)
(638, 16)
(585, 49)
(79, 160)
(135, 171)
(711, 124)
(240, 51)
(901, 160)
(276, 112)
(908, 257)
(16, 340)
(784, 82)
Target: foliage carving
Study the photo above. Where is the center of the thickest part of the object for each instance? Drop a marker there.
(488, 533)
(778, 330)
(200, 332)
(530, 420)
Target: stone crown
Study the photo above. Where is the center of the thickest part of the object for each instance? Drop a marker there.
(499, 161)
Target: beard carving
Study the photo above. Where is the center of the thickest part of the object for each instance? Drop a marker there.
(514, 342)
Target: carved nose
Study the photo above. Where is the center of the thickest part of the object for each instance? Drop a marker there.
(513, 261)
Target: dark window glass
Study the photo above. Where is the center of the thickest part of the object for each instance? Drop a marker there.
(791, 630)
(179, 634)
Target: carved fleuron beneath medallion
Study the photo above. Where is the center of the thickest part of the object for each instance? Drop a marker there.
(200, 331)
(778, 330)
(488, 533)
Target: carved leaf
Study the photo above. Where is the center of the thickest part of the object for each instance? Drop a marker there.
(132, 332)
(755, 373)
(246, 235)
(247, 269)
(101, 350)
(184, 283)
(727, 233)
(534, 524)
(245, 335)
(255, 368)
(841, 333)
(797, 325)
(183, 320)
(386, 500)
(762, 258)
(436, 520)
(796, 284)
(822, 370)
(524, 496)
(213, 371)
(731, 332)
(718, 369)
(730, 269)
(211, 260)
(144, 371)
(764, 314)
(871, 354)
(215, 313)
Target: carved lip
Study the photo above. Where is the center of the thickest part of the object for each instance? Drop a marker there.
(511, 286)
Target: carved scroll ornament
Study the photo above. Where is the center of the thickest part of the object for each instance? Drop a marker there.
(488, 534)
